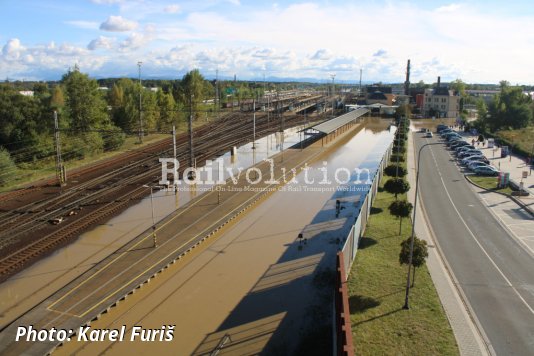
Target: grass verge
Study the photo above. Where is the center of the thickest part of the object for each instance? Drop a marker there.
(376, 294)
(489, 183)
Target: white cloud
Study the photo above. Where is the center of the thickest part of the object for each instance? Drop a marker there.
(34, 62)
(172, 9)
(118, 24)
(107, 2)
(380, 53)
(12, 49)
(452, 41)
(88, 25)
(449, 8)
(101, 42)
(134, 41)
(235, 2)
(322, 54)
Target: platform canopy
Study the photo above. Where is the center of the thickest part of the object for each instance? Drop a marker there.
(332, 125)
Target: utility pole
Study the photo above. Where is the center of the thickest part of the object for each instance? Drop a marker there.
(333, 76)
(140, 113)
(191, 154)
(174, 151)
(254, 124)
(154, 240)
(60, 171)
(217, 91)
(360, 93)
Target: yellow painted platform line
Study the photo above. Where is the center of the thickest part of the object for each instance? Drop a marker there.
(122, 254)
(298, 166)
(63, 313)
(168, 255)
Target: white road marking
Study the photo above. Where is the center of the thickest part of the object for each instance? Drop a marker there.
(476, 240)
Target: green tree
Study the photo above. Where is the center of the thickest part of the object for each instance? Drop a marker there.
(167, 107)
(419, 255)
(403, 111)
(401, 209)
(19, 125)
(57, 100)
(396, 186)
(191, 91)
(509, 109)
(482, 109)
(394, 157)
(85, 106)
(8, 169)
(392, 170)
(150, 109)
(459, 86)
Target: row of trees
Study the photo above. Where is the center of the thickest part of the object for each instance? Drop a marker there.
(398, 185)
(91, 120)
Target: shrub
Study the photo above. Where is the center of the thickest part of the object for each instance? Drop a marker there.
(419, 255)
(397, 186)
(392, 170)
(394, 157)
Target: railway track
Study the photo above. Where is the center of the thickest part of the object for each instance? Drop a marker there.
(52, 205)
(108, 194)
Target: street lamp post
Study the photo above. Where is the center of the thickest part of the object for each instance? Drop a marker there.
(406, 300)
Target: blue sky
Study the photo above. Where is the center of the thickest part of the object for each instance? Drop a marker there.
(477, 41)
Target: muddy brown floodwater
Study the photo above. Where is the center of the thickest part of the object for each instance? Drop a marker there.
(255, 283)
(26, 289)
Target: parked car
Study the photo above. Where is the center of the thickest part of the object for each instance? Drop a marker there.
(476, 164)
(443, 134)
(467, 153)
(479, 158)
(463, 148)
(450, 134)
(486, 171)
(441, 127)
(459, 143)
(453, 137)
(454, 140)
(429, 134)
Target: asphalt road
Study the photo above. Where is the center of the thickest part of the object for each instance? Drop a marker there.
(494, 271)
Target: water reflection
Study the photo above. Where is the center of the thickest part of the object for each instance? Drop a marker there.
(48, 275)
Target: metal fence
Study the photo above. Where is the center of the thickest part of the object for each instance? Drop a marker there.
(350, 247)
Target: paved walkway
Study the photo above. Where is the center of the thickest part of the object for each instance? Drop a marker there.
(514, 165)
(470, 343)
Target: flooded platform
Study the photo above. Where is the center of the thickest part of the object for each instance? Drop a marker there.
(258, 286)
(136, 262)
(29, 287)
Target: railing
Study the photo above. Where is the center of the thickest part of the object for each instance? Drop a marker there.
(350, 247)
(345, 257)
